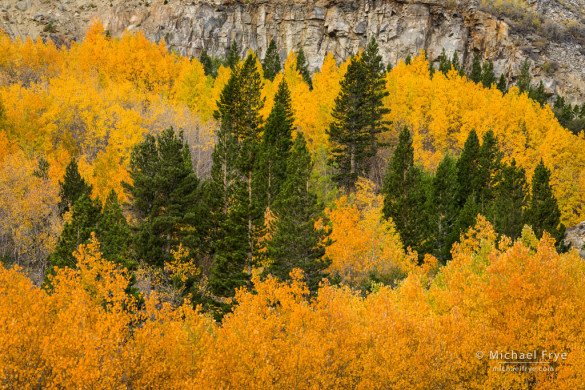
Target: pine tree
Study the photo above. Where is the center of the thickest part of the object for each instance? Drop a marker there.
(475, 74)
(539, 94)
(85, 216)
(296, 243)
(511, 201)
(72, 188)
(468, 168)
(444, 209)
(113, 233)
(502, 84)
(524, 80)
(543, 212)
(488, 175)
(271, 64)
(349, 131)
(233, 56)
(207, 63)
(444, 62)
(164, 198)
(274, 148)
(407, 60)
(405, 197)
(456, 65)
(487, 74)
(375, 93)
(303, 68)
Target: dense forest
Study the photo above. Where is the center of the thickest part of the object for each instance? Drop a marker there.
(168, 222)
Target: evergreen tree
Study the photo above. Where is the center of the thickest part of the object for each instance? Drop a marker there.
(444, 209)
(274, 148)
(85, 216)
(296, 243)
(524, 80)
(539, 94)
(164, 198)
(487, 74)
(543, 212)
(271, 64)
(349, 131)
(475, 74)
(407, 60)
(488, 175)
(207, 63)
(511, 201)
(404, 195)
(42, 171)
(233, 56)
(114, 235)
(72, 188)
(468, 168)
(502, 84)
(456, 65)
(444, 62)
(389, 68)
(303, 68)
(375, 93)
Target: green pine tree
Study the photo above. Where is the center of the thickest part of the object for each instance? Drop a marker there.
(524, 80)
(296, 243)
(511, 201)
(207, 63)
(468, 168)
(405, 196)
(456, 65)
(271, 64)
(164, 198)
(349, 131)
(488, 175)
(233, 56)
(502, 84)
(444, 62)
(407, 60)
(543, 212)
(72, 188)
(475, 74)
(487, 74)
(114, 234)
(444, 209)
(539, 94)
(303, 68)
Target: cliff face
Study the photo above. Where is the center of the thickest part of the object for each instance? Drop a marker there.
(338, 26)
(322, 26)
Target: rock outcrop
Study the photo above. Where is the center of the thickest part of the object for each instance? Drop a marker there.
(338, 26)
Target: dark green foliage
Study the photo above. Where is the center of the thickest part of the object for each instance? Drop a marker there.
(502, 84)
(349, 130)
(456, 65)
(543, 212)
(274, 148)
(233, 56)
(72, 188)
(296, 243)
(405, 197)
(539, 94)
(85, 215)
(487, 74)
(468, 168)
(511, 201)
(42, 171)
(114, 234)
(524, 80)
(206, 62)
(407, 60)
(488, 175)
(271, 64)
(389, 68)
(476, 72)
(163, 198)
(303, 68)
(444, 62)
(444, 210)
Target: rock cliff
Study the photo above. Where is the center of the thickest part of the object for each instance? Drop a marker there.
(338, 26)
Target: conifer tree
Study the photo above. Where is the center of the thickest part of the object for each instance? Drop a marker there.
(468, 168)
(488, 175)
(274, 148)
(487, 74)
(511, 201)
(375, 93)
(539, 94)
(502, 84)
(404, 195)
(543, 212)
(114, 234)
(303, 68)
(72, 187)
(233, 56)
(444, 209)
(296, 243)
(444, 62)
(271, 64)
(206, 62)
(407, 60)
(475, 74)
(524, 80)
(456, 65)
(349, 131)
(164, 198)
